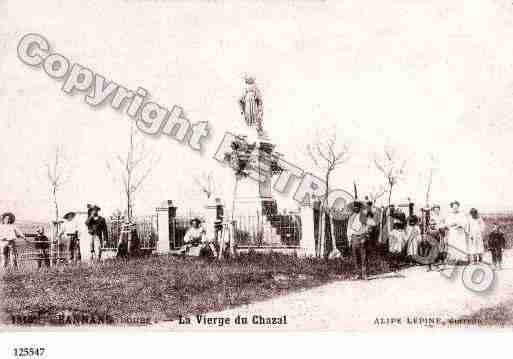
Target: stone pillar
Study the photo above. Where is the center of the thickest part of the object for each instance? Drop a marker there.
(307, 242)
(166, 227)
(210, 219)
(171, 215)
(214, 213)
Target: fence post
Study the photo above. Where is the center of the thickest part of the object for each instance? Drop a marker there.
(232, 239)
(54, 225)
(307, 240)
(172, 222)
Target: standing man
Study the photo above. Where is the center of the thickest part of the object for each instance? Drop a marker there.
(358, 231)
(9, 233)
(97, 228)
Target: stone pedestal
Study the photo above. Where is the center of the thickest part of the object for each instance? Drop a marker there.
(254, 193)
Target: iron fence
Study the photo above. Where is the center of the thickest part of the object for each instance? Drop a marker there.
(144, 229)
(268, 231)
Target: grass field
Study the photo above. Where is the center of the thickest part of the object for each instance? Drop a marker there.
(164, 287)
(497, 316)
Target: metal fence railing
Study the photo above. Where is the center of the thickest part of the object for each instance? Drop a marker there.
(32, 253)
(267, 231)
(144, 228)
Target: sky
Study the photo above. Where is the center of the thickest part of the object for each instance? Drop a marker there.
(430, 78)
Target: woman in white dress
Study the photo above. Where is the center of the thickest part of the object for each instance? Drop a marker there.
(413, 236)
(475, 244)
(396, 230)
(457, 224)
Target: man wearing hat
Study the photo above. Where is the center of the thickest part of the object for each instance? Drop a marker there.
(97, 228)
(69, 237)
(8, 235)
(359, 226)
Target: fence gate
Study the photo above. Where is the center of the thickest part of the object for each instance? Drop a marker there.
(147, 232)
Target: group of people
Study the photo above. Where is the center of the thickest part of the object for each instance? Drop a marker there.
(67, 244)
(458, 237)
(455, 238)
(10, 234)
(462, 236)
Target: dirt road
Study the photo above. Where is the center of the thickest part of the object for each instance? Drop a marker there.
(381, 303)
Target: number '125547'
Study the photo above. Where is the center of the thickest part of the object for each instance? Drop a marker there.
(29, 352)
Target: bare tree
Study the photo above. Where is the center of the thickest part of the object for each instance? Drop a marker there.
(206, 184)
(132, 169)
(391, 166)
(58, 171)
(328, 152)
(376, 192)
(432, 169)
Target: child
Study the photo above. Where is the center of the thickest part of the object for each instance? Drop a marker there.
(8, 235)
(496, 243)
(475, 229)
(42, 244)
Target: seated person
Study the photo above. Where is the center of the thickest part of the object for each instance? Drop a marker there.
(195, 240)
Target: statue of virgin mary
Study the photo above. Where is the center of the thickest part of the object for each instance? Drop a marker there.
(251, 105)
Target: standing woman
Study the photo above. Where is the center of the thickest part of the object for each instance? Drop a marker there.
(414, 237)
(475, 230)
(457, 225)
(437, 229)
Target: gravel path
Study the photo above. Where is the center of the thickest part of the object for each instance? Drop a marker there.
(361, 305)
